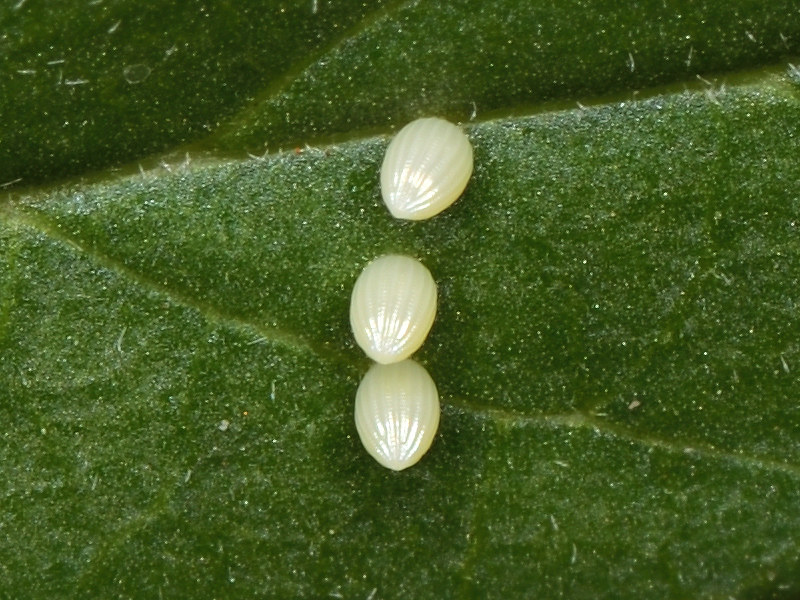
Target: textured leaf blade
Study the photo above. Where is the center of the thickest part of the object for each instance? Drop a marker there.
(596, 256)
(88, 85)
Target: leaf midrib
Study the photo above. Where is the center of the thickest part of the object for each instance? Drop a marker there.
(770, 76)
(288, 339)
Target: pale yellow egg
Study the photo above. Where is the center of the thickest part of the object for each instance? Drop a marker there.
(392, 307)
(426, 168)
(397, 413)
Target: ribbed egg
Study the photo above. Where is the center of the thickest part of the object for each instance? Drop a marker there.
(397, 413)
(392, 307)
(426, 168)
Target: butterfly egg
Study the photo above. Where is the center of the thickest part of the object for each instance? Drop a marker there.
(392, 307)
(426, 168)
(397, 413)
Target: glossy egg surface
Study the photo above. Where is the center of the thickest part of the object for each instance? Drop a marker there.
(397, 413)
(426, 168)
(392, 307)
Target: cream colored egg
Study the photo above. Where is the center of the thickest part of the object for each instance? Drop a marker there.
(397, 413)
(392, 307)
(426, 168)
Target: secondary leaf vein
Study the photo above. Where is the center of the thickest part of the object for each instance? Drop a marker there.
(283, 83)
(260, 331)
(578, 420)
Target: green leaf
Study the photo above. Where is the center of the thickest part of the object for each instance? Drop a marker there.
(616, 346)
(96, 83)
(494, 56)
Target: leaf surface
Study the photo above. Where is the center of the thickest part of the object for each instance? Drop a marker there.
(616, 345)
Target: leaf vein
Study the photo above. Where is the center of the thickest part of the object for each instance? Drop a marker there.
(281, 84)
(578, 420)
(262, 332)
